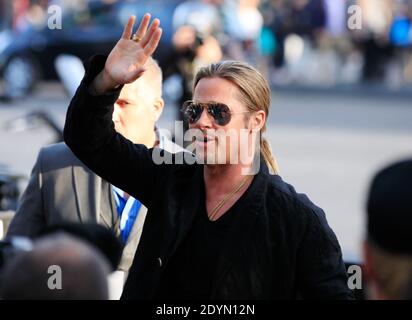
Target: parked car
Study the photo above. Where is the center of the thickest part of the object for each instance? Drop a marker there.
(29, 56)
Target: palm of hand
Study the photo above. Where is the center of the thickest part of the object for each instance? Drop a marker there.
(127, 59)
(125, 62)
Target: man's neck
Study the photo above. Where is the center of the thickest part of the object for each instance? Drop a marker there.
(222, 178)
(150, 141)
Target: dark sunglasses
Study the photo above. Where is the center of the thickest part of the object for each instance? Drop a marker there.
(220, 112)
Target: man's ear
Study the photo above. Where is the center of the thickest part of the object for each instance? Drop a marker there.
(158, 109)
(257, 120)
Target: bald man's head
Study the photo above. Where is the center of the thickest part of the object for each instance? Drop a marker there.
(58, 267)
(151, 79)
(139, 106)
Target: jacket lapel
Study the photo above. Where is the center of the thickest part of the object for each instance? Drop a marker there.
(107, 213)
(89, 191)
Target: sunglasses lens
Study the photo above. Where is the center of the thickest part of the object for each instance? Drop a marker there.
(220, 112)
(192, 112)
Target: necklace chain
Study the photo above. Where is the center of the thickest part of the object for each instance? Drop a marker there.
(228, 197)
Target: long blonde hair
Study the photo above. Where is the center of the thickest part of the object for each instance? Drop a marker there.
(254, 93)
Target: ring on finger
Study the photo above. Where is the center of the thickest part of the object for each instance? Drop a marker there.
(136, 38)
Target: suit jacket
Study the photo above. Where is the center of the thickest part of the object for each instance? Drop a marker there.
(62, 189)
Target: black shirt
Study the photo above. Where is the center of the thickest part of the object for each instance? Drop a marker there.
(191, 271)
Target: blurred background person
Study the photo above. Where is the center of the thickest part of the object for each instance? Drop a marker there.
(244, 24)
(96, 235)
(6, 14)
(20, 8)
(81, 272)
(302, 17)
(298, 27)
(374, 38)
(400, 34)
(102, 239)
(388, 243)
(29, 13)
(197, 25)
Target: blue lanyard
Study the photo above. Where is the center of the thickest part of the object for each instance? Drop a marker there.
(128, 211)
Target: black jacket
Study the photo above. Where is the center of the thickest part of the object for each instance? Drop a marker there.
(280, 247)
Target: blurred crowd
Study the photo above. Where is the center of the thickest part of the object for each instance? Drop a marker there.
(298, 41)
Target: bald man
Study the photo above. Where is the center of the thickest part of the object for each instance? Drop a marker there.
(62, 189)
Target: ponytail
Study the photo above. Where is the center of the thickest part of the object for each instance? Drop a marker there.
(270, 160)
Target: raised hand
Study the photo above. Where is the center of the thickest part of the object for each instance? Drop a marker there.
(126, 60)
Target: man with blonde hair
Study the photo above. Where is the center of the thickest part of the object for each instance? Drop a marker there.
(213, 230)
